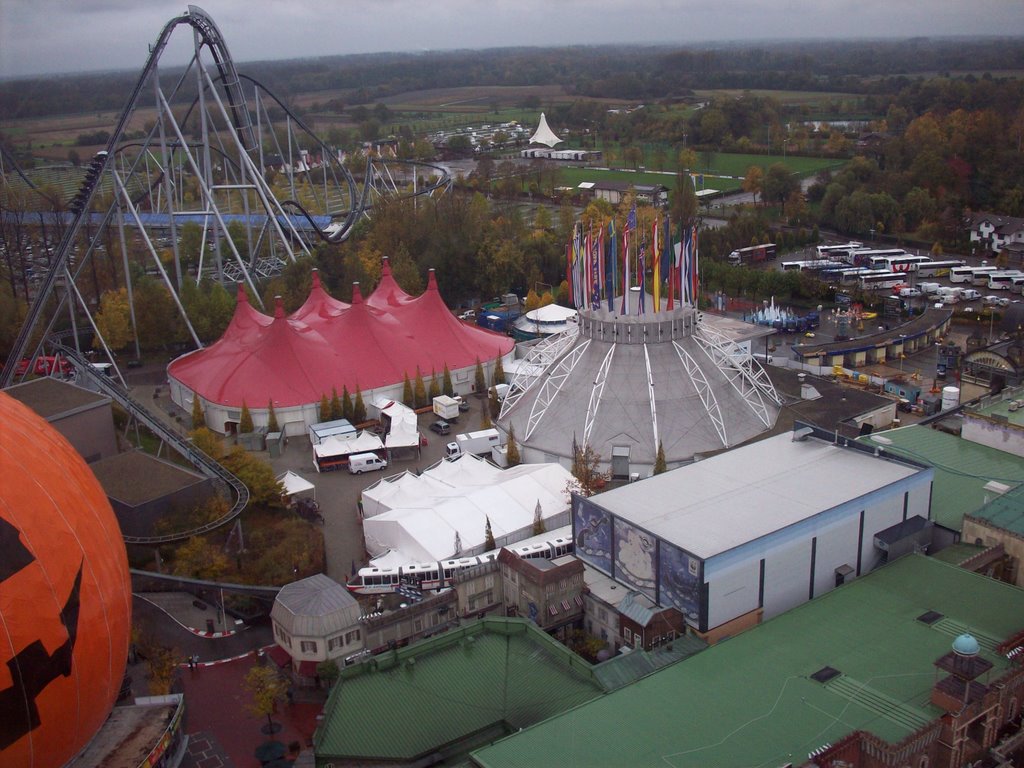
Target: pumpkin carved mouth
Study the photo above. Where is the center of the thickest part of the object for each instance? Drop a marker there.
(32, 668)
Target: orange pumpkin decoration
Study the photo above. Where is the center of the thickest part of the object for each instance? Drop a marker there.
(65, 595)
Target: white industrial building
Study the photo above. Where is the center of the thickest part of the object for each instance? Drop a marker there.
(443, 512)
(748, 534)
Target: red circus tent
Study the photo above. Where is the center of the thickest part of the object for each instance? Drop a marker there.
(327, 344)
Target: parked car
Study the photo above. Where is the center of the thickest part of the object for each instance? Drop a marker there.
(969, 294)
(441, 427)
(910, 293)
(996, 301)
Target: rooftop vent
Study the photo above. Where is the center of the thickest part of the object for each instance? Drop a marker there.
(799, 435)
(825, 674)
(929, 618)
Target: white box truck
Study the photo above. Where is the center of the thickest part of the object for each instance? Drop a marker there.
(479, 443)
(446, 408)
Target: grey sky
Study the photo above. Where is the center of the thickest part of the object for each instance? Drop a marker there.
(45, 36)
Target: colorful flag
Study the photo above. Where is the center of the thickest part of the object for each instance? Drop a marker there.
(611, 268)
(625, 272)
(641, 274)
(668, 260)
(656, 259)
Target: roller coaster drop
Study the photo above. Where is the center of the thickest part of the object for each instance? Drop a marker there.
(236, 147)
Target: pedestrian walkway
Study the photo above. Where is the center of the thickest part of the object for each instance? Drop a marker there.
(197, 616)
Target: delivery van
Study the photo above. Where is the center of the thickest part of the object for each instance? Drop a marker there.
(365, 462)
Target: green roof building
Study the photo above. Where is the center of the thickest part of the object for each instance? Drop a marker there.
(860, 664)
(439, 698)
(962, 468)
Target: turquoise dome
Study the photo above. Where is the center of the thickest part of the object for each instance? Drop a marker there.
(966, 645)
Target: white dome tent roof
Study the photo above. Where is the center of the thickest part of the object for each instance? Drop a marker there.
(544, 134)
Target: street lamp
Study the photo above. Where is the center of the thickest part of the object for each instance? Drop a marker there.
(903, 341)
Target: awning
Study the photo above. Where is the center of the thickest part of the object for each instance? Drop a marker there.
(307, 668)
(579, 600)
(280, 656)
(566, 606)
(552, 610)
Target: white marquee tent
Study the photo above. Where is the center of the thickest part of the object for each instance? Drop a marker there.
(410, 519)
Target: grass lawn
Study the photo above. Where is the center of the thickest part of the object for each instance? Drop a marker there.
(571, 177)
(728, 164)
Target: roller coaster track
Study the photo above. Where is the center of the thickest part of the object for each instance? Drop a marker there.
(229, 97)
(199, 459)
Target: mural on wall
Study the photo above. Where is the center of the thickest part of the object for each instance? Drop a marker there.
(635, 557)
(592, 533)
(680, 581)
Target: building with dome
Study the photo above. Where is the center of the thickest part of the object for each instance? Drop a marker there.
(623, 384)
(292, 361)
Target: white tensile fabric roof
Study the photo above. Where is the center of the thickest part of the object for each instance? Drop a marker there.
(544, 134)
(339, 446)
(412, 519)
(293, 484)
(404, 429)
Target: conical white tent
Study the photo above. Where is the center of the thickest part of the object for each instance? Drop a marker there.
(544, 134)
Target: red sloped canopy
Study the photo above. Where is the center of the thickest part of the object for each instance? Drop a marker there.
(328, 344)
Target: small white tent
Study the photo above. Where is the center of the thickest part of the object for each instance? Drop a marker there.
(294, 485)
(544, 134)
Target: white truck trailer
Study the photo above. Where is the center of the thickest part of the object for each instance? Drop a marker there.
(479, 442)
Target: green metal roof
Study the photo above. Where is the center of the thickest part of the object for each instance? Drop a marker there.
(751, 700)
(961, 468)
(1005, 512)
(626, 668)
(955, 554)
(465, 687)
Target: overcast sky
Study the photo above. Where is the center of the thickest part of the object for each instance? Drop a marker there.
(47, 36)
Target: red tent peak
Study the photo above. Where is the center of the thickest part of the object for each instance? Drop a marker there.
(357, 296)
(385, 266)
(431, 280)
(278, 307)
(316, 277)
(242, 296)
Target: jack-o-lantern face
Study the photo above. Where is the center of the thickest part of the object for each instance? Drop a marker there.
(64, 595)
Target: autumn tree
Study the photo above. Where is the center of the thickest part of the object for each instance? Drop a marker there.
(586, 464)
(499, 372)
(245, 421)
(512, 449)
(337, 411)
(435, 386)
(267, 688)
(328, 672)
(272, 425)
(485, 415)
(346, 403)
(488, 536)
(684, 203)
(258, 476)
(358, 408)
(198, 417)
(407, 395)
(659, 463)
(493, 403)
(446, 383)
(753, 180)
(162, 662)
(419, 391)
(207, 441)
(538, 520)
(114, 320)
(480, 380)
(198, 558)
(325, 408)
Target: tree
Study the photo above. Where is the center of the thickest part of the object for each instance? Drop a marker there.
(446, 383)
(419, 390)
(266, 688)
(272, 425)
(162, 662)
(198, 558)
(778, 184)
(435, 386)
(684, 203)
(346, 403)
(479, 380)
(328, 671)
(114, 320)
(245, 421)
(488, 536)
(485, 415)
(207, 441)
(499, 372)
(337, 411)
(538, 521)
(512, 450)
(585, 468)
(258, 476)
(493, 403)
(753, 181)
(198, 417)
(325, 409)
(659, 463)
(407, 395)
(359, 408)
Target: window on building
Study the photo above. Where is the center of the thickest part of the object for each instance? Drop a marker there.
(335, 643)
(604, 634)
(308, 646)
(352, 637)
(602, 614)
(417, 625)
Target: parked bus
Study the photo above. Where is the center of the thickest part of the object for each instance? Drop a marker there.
(1002, 281)
(838, 251)
(863, 257)
(853, 275)
(980, 275)
(817, 265)
(937, 268)
(753, 254)
(877, 281)
(905, 262)
(1017, 284)
(966, 274)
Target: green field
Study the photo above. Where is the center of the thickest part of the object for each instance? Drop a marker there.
(571, 177)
